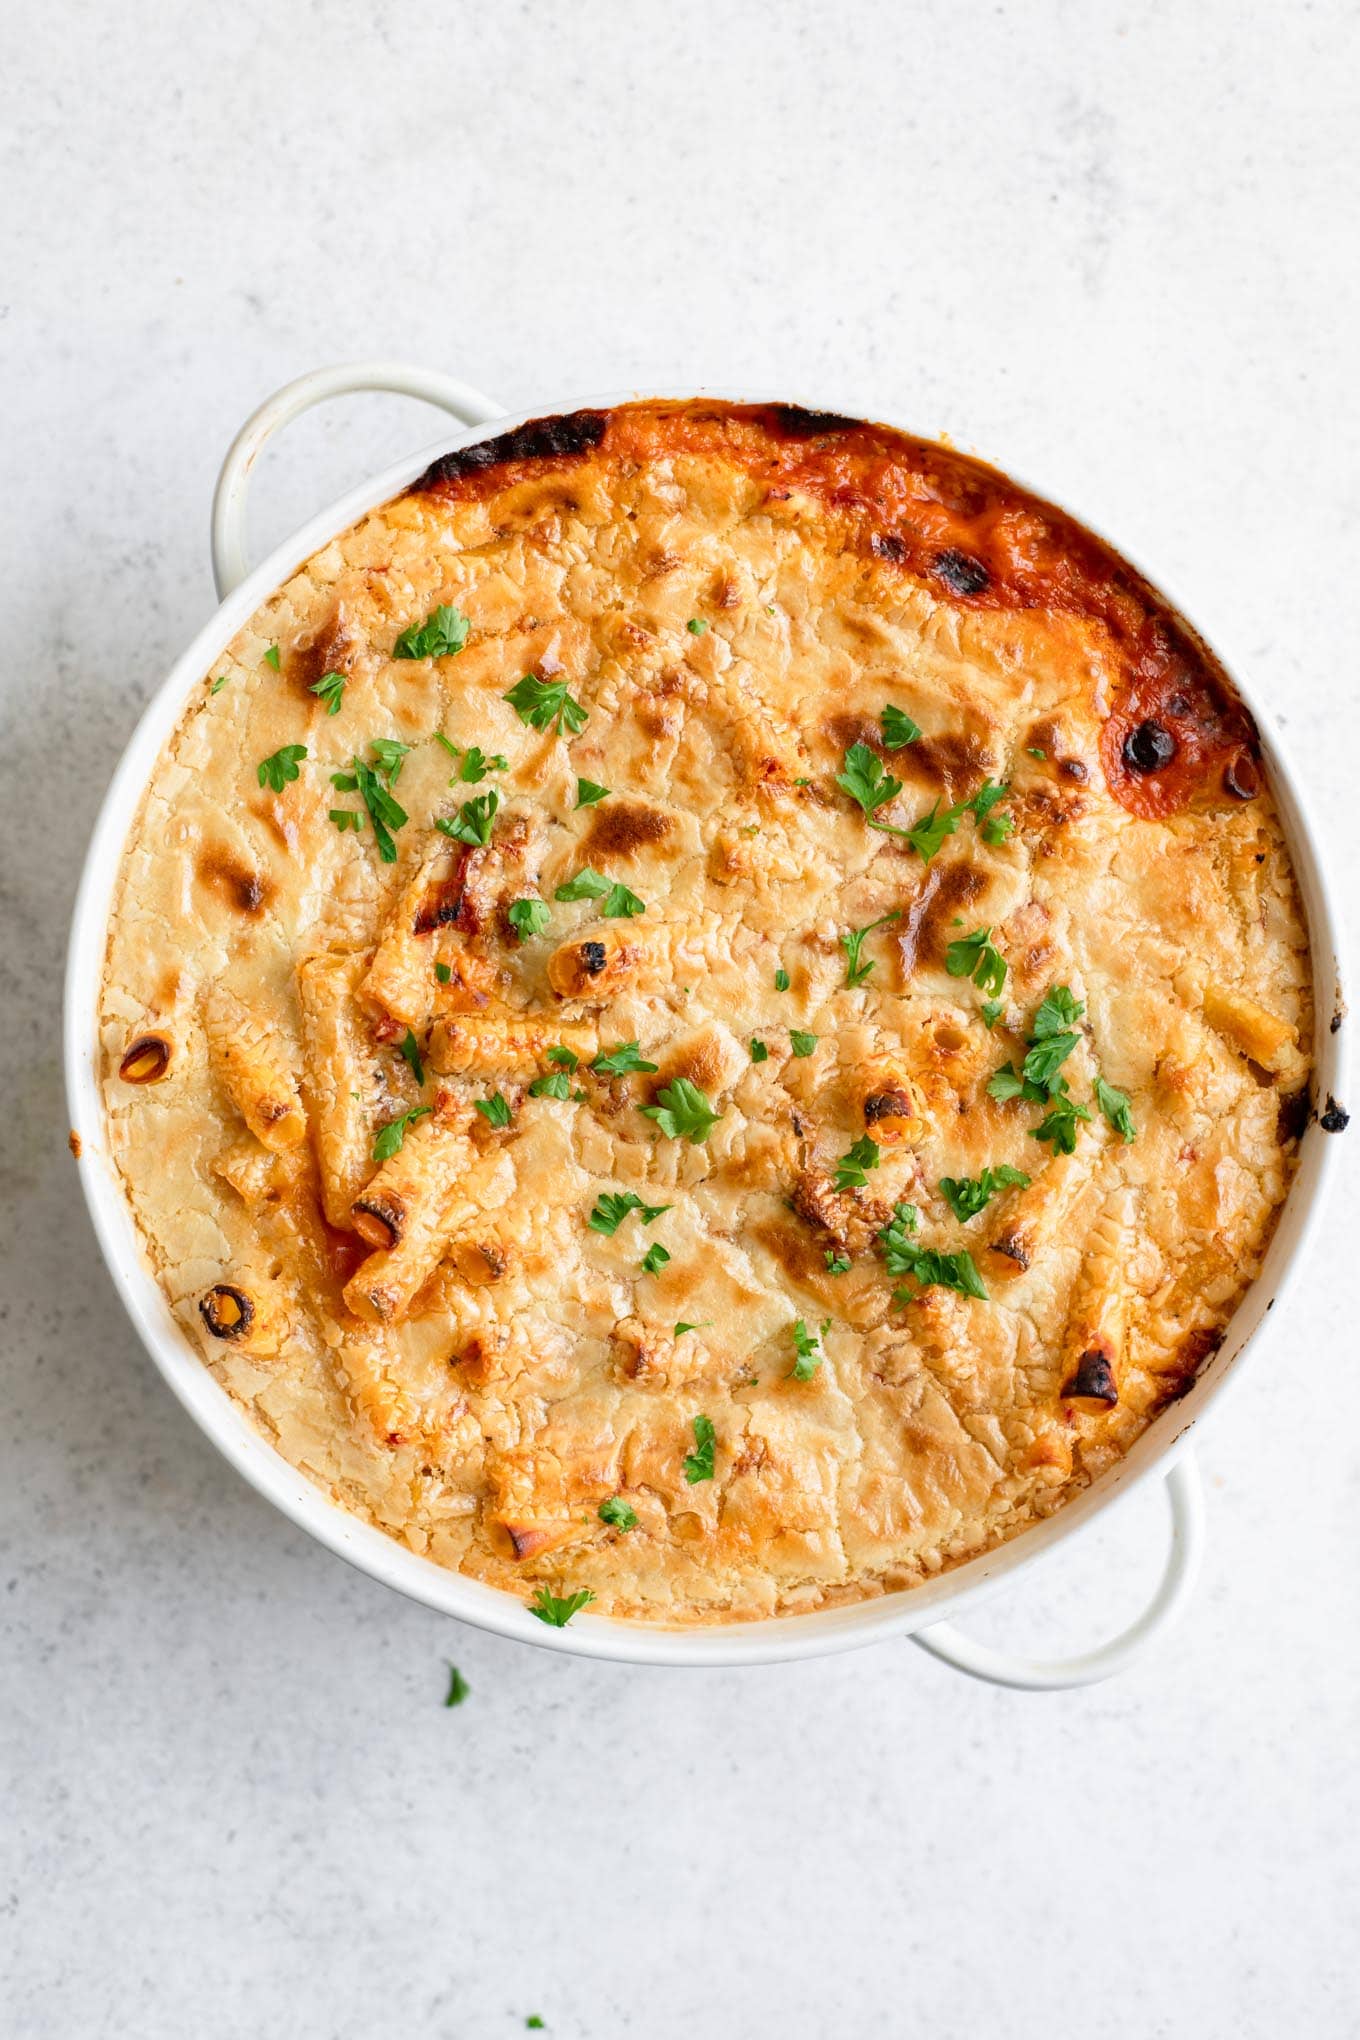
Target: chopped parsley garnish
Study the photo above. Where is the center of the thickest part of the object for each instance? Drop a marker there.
(346, 818)
(1046, 1058)
(622, 905)
(409, 1050)
(587, 793)
(781, 979)
(556, 1612)
(271, 657)
(613, 1207)
(219, 683)
(280, 768)
(759, 1052)
(588, 884)
(618, 1514)
(534, 2023)
(837, 1263)
(1052, 1039)
(1057, 1009)
(801, 1044)
(973, 956)
(547, 704)
(924, 1265)
(853, 941)
(997, 828)
(390, 754)
(991, 1013)
(681, 1328)
(458, 1688)
(621, 1061)
(391, 1136)
(867, 780)
(808, 1346)
(683, 1112)
(473, 823)
(476, 762)
(696, 626)
(966, 1196)
(1035, 751)
(898, 729)
(330, 688)
(528, 917)
(563, 1058)
(1059, 1124)
(1117, 1109)
(384, 812)
(655, 1259)
(444, 632)
(494, 1110)
(443, 973)
(699, 1462)
(928, 836)
(851, 1168)
(556, 1084)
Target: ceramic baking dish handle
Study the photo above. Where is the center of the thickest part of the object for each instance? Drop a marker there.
(230, 564)
(1047, 1675)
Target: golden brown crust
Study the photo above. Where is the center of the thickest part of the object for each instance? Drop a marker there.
(441, 1337)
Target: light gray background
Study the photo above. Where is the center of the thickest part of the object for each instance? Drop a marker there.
(1113, 248)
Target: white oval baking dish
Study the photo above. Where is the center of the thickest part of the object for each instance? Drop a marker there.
(1163, 1450)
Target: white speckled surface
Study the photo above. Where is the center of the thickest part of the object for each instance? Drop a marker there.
(1114, 249)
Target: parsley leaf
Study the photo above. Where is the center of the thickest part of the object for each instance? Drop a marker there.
(1035, 751)
(968, 1195)
(409, 1050)
(1046, 1058)
(973, 956)
(1117, 1109)
(219, 683)
(458, 1688)
(476, 764)
(801, 1044)
(898, 729)
(280, 768)
(781, 980)
(696, 626)
(699, 1462)
(330, 688)
(528, 917)
(683, 1112)
(759, 1052)
(1060, 1123)
(545, 704)
(1057, 1010)
(809, 1349)
(655, 1259)
(588, 884)
(556, 1084)
(346, 818)
(991, 1013)
(622, 905)
(271, 657)
(837, 1263)
(474, 821)
(391, 1136)
(621, 1061)
(587, 793)
(613, 1207)
(495, 1110)
(618, 1514)
(850, 1169)
(681, 1328)
(384, 812)
(866, 779)
(928, 836)
(1004, 1084)
(853, 941)
(444, 632)
(924, 1265)
(563, 1058)
(443, 973)
(390, 754)
(556, 1612)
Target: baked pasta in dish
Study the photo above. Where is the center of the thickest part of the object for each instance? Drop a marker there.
(707, 1012)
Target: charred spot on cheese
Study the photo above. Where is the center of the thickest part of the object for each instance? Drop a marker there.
(593, 957)
(567, 437)
(951, 764)
(227, 1312)
(1291, 1114)
(623, 826)
(329, 649)
(1177, 733)
(796, 423)
(448, 902)
(1012, 1246)
(1092, 1379)
(380, 1220)
(245, 890)
(145, 1059)
(888, 546)
(887, 1112)
(1335, 1119)
(960, 572)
